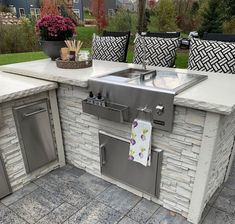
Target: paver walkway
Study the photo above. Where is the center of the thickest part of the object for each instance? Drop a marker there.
(71, 196)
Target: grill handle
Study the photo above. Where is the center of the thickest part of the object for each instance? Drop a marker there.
(149, 74)
(35, 112)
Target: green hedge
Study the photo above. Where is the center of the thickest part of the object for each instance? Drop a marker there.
(18, 38)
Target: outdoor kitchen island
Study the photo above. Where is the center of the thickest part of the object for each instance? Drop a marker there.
(28, 98)
(197, 152)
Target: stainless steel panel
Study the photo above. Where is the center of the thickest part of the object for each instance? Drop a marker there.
(113, 112)
(35, 134)
(115, 164)
(153, 90)
(135, 98)
(173, 81)
(124, 75)
(5, 188)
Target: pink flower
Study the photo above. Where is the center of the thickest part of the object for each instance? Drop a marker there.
(55, 28)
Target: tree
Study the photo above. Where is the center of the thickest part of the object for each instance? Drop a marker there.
(212, 18)
(98, 10)
(151, 3)
(142, 24)
(165, 16)
(229, 15)
(123, 20)
(229, 9)
(187, 11)
(49, 8)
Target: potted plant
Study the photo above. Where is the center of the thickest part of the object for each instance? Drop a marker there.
(53, 30)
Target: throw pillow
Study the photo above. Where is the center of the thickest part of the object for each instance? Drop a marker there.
(158, 51)
(212, 56)
(109, 48)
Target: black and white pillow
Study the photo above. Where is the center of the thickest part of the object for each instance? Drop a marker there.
(109, 48)
(158, 51)
(212, 56)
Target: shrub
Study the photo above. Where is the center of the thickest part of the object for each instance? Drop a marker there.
(18, 38)
(165, 16)
(48, 8)
(212, 18)
(123, 20)
(187, 11)
(229, 26)
(4, 8)
(98, 11)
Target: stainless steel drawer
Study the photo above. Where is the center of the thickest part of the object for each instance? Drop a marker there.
(5, 188)
(35, 134)
(115, 164)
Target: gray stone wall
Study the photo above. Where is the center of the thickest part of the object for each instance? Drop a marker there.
(224, 145)
(10, 147)
(181, 146)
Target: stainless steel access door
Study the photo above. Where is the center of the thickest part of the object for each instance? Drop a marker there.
(35, 133)
(5, 188)
(115, 164)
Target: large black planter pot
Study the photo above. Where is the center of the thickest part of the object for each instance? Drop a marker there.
(52, 48)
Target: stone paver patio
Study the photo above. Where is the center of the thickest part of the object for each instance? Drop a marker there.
(71, 196)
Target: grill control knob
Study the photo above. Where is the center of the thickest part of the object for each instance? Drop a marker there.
(159, 109)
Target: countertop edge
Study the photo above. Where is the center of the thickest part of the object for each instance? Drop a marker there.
(83, 84)
(200, 105)
(27, 92)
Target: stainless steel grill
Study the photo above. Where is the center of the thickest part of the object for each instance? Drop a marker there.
(135, 92)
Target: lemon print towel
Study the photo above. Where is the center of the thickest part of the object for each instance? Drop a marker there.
(140, 142)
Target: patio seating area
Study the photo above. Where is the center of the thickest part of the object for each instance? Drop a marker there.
(70, 195)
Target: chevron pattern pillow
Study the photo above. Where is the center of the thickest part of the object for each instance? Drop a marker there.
(109, 48)
(158, 51)
(212, 56)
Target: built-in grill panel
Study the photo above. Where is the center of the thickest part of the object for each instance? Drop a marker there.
(148, 94)
(115, 164)
(137, 98)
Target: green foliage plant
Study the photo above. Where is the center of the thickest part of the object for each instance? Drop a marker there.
(165, 16)
(123, 20)
(212, 18)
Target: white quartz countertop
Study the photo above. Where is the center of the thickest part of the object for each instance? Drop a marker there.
(16, 86)
(216, 94)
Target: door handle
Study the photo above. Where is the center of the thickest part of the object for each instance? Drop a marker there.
(103, 154)
(35, 112)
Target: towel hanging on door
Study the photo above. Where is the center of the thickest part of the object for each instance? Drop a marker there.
(140, 142)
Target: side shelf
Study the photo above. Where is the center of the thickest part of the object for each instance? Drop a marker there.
(112, 112)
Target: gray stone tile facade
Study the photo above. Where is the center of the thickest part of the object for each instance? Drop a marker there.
(181, 146)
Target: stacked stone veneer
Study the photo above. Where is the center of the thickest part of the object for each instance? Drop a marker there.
(8, 18)
(223, 150)
(181, 146)
(10, 147)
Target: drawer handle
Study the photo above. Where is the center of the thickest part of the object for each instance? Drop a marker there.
(103, 156)
(35, 112)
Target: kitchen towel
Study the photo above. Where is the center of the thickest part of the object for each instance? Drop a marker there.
(140, 142)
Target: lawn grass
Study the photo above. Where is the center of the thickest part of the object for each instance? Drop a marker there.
(181, 59)
(85, 34)
(87, 15)
(20, 57)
